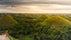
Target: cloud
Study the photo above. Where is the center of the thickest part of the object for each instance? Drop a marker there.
(16, 2)
(52, 8)
(41, 6)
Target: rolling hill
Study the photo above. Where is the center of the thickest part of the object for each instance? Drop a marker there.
(7, 20)
(57, 20)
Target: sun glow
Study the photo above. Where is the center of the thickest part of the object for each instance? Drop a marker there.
(41, 8)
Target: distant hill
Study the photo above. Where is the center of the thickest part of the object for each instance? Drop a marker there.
(7, 20)
(57, 20)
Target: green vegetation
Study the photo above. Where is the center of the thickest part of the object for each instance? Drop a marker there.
(7, 20)
(36, 26)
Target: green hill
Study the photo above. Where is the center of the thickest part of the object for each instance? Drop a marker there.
(7, 20)
(57, 20)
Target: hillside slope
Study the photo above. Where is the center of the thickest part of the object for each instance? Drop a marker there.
(7, 20)
(57, 20)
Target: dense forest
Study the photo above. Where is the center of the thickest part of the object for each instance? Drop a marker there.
(37, 26)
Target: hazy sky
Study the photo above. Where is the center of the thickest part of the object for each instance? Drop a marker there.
(35, 6)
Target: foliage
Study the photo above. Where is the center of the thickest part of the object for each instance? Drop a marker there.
(38, 27)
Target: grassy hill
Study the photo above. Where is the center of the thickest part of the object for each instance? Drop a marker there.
(57, 20)
(7, 20)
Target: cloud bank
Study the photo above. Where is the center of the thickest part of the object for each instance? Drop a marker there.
(13, 2)
(52, 8)
(35, 6)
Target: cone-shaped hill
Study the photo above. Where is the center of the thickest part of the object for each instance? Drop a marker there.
(7, 20)
(57, 20)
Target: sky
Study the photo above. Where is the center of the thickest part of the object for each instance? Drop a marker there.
(35, 6)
